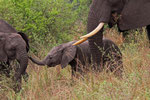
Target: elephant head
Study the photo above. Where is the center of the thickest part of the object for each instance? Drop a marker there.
(61, 54)
(127, 14)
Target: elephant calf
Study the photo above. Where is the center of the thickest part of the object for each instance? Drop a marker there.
(13, 46)
(79, 57)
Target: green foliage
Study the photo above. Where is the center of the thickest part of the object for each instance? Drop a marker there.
(47, 22)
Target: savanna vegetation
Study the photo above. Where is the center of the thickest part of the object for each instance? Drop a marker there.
(52, 22)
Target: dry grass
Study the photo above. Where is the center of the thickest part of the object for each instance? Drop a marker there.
(57, 84)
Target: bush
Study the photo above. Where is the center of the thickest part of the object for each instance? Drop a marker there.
(46, 22)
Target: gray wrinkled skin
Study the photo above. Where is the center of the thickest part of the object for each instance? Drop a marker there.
(127, 14)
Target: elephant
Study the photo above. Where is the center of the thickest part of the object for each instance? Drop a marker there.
(126, 14)
(14, 46)
(79, 57)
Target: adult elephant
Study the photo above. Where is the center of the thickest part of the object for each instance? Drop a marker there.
(13, 45)
(127, 14)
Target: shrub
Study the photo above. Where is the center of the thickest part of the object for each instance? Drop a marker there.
(46, 22)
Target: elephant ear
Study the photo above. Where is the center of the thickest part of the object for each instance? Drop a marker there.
(68, 55)
(3, 56)
(25, 37)
(135, 14)
(5, 27)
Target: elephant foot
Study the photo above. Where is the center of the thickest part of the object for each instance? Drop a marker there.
(17, 83)
(97, 67)
(17, 89)
(17, 86)
(118, 71)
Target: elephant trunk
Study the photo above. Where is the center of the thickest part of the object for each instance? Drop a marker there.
(42, 63)
(96, 44)
(100, 13)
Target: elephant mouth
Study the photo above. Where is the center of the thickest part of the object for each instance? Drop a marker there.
(85, 37)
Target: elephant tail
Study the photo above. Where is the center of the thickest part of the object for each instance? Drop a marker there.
(36, 61)
(25, 37)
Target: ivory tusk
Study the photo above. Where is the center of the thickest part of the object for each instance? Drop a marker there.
(80, 41)
(98, 28)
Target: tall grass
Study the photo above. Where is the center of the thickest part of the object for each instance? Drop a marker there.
(56, 83)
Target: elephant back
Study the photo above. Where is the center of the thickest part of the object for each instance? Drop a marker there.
(135, 14)
(6, 28)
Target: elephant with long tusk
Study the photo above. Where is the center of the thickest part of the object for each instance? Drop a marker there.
(127, 14)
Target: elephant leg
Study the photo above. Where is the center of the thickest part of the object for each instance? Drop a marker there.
(77, 71)
(2, 66)
(118, 72)
(95, 44)
(148, 32)
(17, 85)
(8, 69)
(73, 67)
(116, 67)
(5, 68)
(24, 75)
